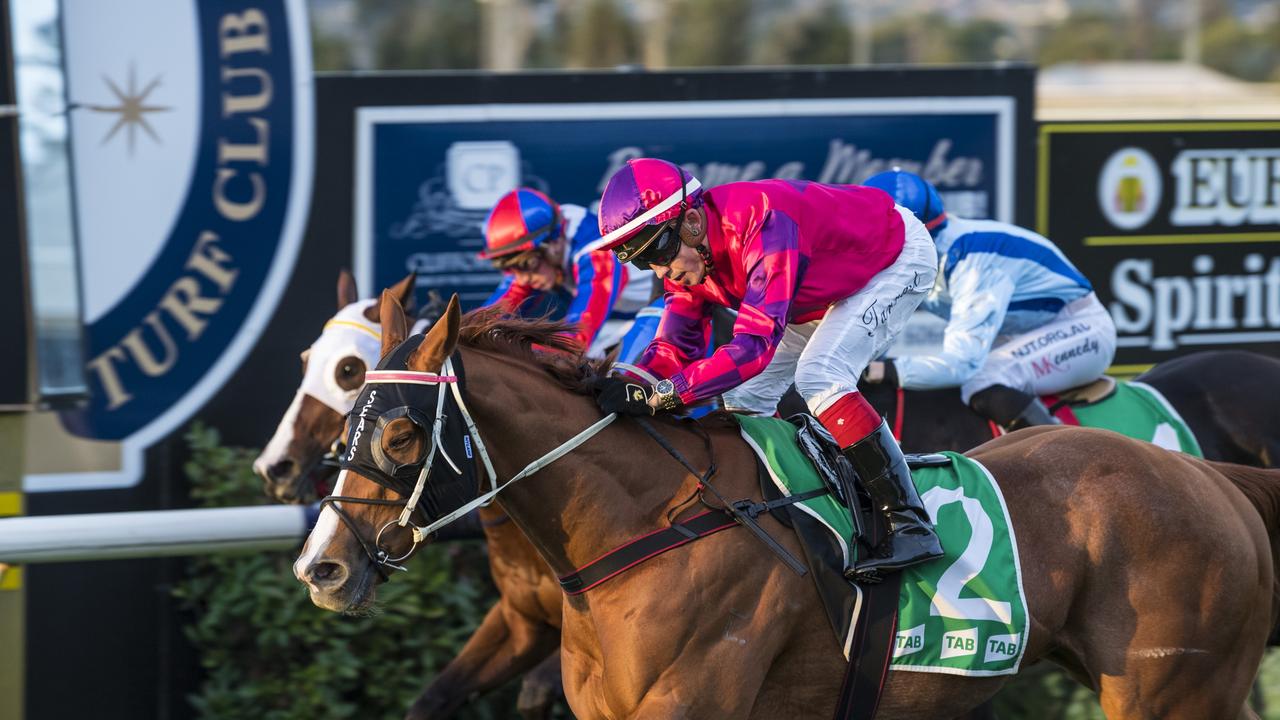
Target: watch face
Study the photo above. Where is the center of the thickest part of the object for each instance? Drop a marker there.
(665, 387)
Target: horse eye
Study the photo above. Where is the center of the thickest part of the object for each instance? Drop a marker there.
(400, 441)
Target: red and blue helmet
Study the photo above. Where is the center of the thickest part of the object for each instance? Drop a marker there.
(522, 220)
(913, 193)
(643, 192)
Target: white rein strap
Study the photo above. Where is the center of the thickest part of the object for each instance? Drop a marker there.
(420, 534)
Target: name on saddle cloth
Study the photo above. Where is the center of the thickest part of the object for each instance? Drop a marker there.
(964, 613)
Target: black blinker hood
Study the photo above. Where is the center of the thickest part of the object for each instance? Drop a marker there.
(379, 404)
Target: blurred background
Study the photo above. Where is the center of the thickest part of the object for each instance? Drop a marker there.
(181, 182)
(1095, 58)
(1237, 38)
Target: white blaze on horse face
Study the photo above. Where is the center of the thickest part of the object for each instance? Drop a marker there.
(321, 535)
(278, 448)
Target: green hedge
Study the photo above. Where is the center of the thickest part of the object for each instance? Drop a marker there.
(269, 654)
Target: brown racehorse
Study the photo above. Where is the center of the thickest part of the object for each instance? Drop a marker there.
(520, 634)
(1149, 575)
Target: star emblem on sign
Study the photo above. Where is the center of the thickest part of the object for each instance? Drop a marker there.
(132, 108)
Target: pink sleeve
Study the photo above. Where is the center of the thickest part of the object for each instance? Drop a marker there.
(773, 259)
(683, 333)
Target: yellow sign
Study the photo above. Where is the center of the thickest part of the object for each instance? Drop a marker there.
(10, 577)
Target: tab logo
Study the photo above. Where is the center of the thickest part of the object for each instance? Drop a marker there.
(1001, 648)
(909, 641)
(959, 643)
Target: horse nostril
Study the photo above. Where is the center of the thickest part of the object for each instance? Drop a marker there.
(281, 469)
(327, 573)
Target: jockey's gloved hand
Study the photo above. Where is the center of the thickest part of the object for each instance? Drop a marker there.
(887, 374)
(622, 395)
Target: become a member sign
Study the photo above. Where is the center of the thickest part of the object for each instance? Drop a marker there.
(1176, 224)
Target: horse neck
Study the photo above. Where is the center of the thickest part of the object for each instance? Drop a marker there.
(586, 502)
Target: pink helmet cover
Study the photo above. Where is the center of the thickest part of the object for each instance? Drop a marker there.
(644, 191)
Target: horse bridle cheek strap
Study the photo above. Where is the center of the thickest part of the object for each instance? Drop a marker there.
(371, 460)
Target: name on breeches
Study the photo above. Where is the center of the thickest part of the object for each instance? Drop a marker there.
(239, 193)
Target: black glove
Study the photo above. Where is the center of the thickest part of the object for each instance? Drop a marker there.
(623, 396)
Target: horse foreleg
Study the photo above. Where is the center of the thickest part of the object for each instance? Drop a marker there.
(540, 688)
(505, 644)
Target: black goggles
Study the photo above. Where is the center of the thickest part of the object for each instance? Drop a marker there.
(653, 245)
(524, 262)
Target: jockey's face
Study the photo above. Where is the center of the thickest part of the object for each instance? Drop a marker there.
(539, 269)
(687, 268)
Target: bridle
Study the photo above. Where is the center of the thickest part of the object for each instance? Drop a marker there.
(378, 556)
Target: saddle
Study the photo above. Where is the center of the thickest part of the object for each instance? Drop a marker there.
(823, 551)
(863, 619)
(1089, 393)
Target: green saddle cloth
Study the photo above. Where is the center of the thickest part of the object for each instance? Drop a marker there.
(1139, 411)
(964, 613)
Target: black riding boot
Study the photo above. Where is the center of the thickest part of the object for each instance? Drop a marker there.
(1011, 409)
(884, 473)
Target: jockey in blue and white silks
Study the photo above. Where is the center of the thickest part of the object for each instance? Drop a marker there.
(1022, 321)
(544, 248)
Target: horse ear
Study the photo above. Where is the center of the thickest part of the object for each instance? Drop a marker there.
(404, 292)
(394, 328)
(346, 288)
(440, 340)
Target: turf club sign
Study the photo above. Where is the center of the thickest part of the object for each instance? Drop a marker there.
(192, 158)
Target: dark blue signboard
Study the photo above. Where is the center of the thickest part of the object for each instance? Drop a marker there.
(427, 176)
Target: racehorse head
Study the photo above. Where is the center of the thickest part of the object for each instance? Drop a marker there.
(333, 370)
(415, 460)
(391, 441)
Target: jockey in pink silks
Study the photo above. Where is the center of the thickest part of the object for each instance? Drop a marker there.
(822, 278)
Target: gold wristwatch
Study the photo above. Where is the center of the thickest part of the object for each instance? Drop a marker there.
(666, 396)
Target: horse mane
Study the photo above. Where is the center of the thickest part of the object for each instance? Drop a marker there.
(547, 345)
(543, 343)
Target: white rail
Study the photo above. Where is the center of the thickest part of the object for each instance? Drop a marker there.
(155, 533)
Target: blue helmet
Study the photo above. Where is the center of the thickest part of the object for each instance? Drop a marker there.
(913, 193)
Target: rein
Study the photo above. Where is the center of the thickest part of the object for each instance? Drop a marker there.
(744, 512)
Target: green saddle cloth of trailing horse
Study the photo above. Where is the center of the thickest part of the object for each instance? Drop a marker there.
(964, 613)
(1134, 409)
